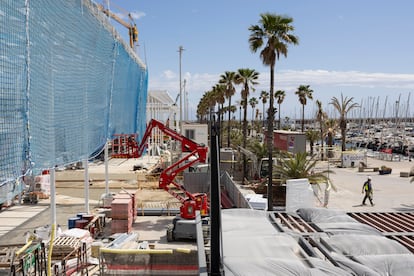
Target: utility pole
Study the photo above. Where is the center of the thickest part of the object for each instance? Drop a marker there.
(185, 101)
(180, 50)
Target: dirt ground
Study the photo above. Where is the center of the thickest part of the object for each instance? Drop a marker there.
(70, 195)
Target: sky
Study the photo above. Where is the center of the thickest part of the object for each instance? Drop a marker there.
(356, 48)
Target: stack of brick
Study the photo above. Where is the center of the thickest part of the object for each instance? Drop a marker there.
(130, 193)
(122, 215)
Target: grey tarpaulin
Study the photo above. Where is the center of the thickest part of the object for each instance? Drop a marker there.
(359, 248)
(317, 215)
(335, 221)
(252, 246)
(355, 245)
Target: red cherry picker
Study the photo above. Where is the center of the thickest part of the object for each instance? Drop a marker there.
(183, 225)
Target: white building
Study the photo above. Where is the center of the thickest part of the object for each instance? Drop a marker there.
(196, 132)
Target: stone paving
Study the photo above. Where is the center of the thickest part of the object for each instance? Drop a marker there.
(392, 193)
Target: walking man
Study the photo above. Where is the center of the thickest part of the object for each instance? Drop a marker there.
(367, 188)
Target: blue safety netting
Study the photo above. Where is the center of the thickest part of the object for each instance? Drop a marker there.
(68, 83)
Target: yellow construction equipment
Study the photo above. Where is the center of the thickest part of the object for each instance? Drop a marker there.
(132, 27)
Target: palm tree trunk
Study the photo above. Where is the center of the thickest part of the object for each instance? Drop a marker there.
(244, 138)
(303, 117)
(220, 125)
(330, 143)
(270, 140)
(263, 116)
(279, 118)
(343, 134)
(311, 147)
(228, 124)
(322, 150)
(252, 127)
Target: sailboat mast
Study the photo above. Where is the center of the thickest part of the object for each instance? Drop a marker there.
(376, 110)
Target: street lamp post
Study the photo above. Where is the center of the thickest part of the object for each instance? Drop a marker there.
(180, 50)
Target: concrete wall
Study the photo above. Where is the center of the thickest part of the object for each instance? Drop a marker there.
(199, 182)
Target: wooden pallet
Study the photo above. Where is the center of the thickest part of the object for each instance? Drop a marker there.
(7, 256)
(65, 246)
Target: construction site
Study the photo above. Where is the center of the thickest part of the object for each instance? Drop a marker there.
(133, 232)
(88, 190)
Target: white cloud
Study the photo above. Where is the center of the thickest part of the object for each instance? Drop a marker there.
(137, 14)
(342, 78)
(325, 84)
(169, 75)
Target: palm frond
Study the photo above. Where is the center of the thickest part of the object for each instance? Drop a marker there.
(300, 166)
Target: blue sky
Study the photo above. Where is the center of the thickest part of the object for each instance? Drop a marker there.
(362, 49)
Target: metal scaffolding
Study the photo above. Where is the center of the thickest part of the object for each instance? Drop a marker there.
(162, 107)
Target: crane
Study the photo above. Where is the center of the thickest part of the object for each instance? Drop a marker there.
(132, 27)
(190, 203)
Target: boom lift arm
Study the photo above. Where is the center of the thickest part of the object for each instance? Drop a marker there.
(190, 202)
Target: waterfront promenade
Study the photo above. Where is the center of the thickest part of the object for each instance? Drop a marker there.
(392, 193)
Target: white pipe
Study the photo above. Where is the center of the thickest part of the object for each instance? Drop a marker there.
(86, 180)
(106, 170)
(53, 195)
(53, 213)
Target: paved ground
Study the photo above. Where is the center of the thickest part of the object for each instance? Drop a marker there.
(391, 193)
(17, 215)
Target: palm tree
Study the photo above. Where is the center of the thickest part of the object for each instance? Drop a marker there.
(247, 78)
(264, 95)
(331, 126)
(299, 166)
(321, 117)
(207, 102)
(257, 120)
(343, 106)
(202, 111)
(273, 34)
(280, 97)
(233, 110)
(312, 136)
(304, 92)
(219, 91)
(259, 149)
(227, 79)
(253, 102)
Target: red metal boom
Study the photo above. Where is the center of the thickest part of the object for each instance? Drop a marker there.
(191, 202)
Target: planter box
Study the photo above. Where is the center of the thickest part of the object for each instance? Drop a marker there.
(278, 195)
(381, 172)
